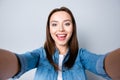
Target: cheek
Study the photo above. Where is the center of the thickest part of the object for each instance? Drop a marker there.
(52, 33)
(70, 34)
(70, 31)
(52, 30)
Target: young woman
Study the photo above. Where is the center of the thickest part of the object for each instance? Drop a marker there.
(60, 58)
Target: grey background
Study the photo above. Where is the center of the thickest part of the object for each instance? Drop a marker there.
(23, 24)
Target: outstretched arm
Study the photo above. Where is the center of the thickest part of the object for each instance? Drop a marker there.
(9, 64)
(112, 64)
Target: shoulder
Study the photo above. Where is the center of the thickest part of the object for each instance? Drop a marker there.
(41, 51)
(84, 53)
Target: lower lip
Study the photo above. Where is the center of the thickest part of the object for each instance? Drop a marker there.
(61, 38)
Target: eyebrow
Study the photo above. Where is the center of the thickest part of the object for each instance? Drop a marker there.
(68, 20)
(64, 20)
(53, 21)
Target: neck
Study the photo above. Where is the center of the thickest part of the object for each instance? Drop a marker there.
(62, 49)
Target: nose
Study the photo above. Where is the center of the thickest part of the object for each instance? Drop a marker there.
(61, 28)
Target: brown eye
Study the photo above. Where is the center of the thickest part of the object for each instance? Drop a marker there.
(67, 24)
(54, 24)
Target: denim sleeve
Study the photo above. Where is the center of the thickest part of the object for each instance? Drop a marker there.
(93, 63)
(28, 61)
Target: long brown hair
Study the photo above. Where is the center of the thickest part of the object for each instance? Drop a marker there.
(73, 42)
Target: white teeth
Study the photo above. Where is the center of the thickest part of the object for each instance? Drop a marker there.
(61, 35)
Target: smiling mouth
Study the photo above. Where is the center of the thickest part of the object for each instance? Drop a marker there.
(61, 37)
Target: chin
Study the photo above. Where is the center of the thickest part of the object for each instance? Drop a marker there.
(62, 44)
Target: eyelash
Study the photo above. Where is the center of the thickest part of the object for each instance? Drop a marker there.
(66, 24)
(54, 24)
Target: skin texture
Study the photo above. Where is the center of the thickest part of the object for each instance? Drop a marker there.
(9, 64)
(112, 64)
(61, 29)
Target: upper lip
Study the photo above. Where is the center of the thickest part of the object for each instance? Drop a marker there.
(61, 35)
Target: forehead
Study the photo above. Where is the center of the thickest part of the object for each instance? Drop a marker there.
(60, 15)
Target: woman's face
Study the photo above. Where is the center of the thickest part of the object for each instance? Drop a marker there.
(61, 28)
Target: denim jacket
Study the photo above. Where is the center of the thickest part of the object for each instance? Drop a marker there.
(85, 60)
